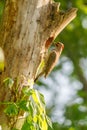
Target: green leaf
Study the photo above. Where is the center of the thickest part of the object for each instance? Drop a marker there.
(41, 97)
(26, 91)
(8, 82)
(23, 105)
(30, 119)
(31, 108)
(11, 109)
(26, 126)
(35, 97)
(42, 123)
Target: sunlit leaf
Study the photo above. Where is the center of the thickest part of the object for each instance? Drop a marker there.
(41, 97)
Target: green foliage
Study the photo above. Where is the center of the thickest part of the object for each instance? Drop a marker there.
(30, 102)
(37, 118)
(11, 109)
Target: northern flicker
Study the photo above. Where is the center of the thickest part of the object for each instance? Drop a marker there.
(52, 60)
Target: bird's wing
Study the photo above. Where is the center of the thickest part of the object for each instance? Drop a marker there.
(50, 62)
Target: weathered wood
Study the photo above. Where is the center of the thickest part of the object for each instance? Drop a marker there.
(26, 27)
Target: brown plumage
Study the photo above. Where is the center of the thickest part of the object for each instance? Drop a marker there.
(51, 60)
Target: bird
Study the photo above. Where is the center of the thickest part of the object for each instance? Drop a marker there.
(51, 60)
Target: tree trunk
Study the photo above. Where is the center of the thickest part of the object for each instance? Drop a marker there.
(26, 27)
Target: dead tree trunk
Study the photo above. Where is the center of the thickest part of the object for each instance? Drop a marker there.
(25, 29)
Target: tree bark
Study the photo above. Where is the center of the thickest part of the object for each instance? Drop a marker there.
(26, 27)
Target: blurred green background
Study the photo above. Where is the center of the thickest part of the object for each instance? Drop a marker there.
(65, 90)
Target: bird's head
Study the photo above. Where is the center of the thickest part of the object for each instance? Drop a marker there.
(59, 46)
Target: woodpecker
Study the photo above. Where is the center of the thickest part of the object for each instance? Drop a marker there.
(52, 60)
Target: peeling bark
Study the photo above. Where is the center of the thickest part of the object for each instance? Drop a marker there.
(26, 27)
